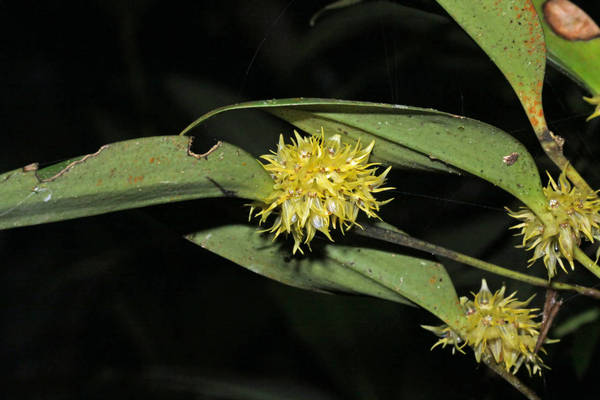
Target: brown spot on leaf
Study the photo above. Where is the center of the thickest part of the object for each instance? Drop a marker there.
(569, 21)
(135, 179)
(511, 158)
(31, 167)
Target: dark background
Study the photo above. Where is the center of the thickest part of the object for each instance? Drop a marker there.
(121, 306)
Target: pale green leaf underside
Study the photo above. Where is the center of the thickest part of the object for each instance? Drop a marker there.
(129, 174)
(334, 267)
(509, 32)
(460, 142)
(384, 151)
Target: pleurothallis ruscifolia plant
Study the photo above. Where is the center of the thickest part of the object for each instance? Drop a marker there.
(329, 175)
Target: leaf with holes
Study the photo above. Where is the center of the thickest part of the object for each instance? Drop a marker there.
(384, 150)
(130, 174)
(459, 142)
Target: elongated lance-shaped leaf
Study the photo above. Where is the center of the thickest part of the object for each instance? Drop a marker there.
(130, 174)
(573, 41)
(510, 33)
(463, 143)
(384, 150)
(335, 267)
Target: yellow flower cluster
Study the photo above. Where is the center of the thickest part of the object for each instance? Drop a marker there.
(318, 184)
(576, 215)
(596, 102)
(498, 327)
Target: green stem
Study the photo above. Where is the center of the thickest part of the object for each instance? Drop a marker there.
(577, 179)
(510, 378)
(553, 147)
(408, 241)
(587, 262)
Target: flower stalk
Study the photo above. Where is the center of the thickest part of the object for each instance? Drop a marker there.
(587, 262)
(510, 378)
(403, 239)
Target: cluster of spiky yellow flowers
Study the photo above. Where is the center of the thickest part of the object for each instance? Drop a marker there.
(576, 215)
(318, 184)
(498, 327)
(596, 102)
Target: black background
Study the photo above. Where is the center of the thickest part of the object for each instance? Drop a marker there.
(121, 306)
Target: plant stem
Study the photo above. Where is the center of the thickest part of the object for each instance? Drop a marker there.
(510, 378)
(577, 179)
(553, 147)
(587, 262)
(408, 241)
(551, 307)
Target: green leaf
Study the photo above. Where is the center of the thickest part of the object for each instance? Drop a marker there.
(509, 32)
(460, 142)
(134, 173)
(579, 59)
(384, 150)
(334, 267)
(576, 321)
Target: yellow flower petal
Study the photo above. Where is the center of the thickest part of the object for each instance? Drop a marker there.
(319, 184)
(576, 217)
(499, 327)
(594, 101)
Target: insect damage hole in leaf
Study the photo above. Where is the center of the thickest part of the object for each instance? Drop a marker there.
(54, 172)
(205, 154)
